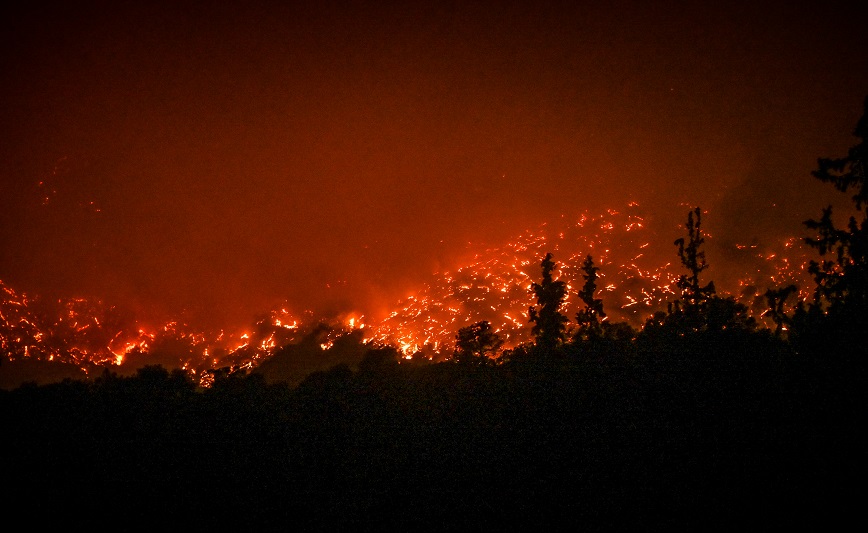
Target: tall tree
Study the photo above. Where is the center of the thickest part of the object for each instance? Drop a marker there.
(693, 293)
(698, 308)
(549, 323)
(589, 318)
(841, 276)
(849, 172)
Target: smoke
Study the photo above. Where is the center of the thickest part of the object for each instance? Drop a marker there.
(210, 163)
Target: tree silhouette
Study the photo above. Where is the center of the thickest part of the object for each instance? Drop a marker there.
(776, 299)
(589, 318)
(549, 323)
(842, 280)
(380, 359)
(849, 171)
(698, 308)
(693, 293)
(473, 343)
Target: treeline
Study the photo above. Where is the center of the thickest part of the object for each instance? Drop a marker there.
(702, 419)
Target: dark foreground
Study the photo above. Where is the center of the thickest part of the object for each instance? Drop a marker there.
(717, 431)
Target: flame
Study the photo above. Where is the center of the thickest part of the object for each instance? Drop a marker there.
(494, 286)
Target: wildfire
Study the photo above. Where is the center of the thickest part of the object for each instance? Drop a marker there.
(495, 286)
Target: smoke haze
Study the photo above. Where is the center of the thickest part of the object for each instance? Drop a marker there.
(212, 162)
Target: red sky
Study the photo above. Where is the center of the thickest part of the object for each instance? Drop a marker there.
(219, 159)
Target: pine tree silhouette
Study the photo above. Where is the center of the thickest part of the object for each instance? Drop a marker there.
(693, 293)
(549, 323)
(589, 319)
(841, 276)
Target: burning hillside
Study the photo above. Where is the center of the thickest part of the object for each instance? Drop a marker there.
(91, 335)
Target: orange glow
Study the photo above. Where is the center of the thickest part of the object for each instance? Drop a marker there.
(493, 287)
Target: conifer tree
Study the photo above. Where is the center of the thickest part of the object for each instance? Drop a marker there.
(589, 318)
(693, 293)
(549, 323)
(841, 276)
(699, 308)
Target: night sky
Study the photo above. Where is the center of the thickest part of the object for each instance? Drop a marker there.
(215, 159)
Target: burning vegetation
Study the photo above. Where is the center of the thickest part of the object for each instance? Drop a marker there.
(702, 417)
(496, 287)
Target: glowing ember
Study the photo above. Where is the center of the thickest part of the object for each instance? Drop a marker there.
(494, 287)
